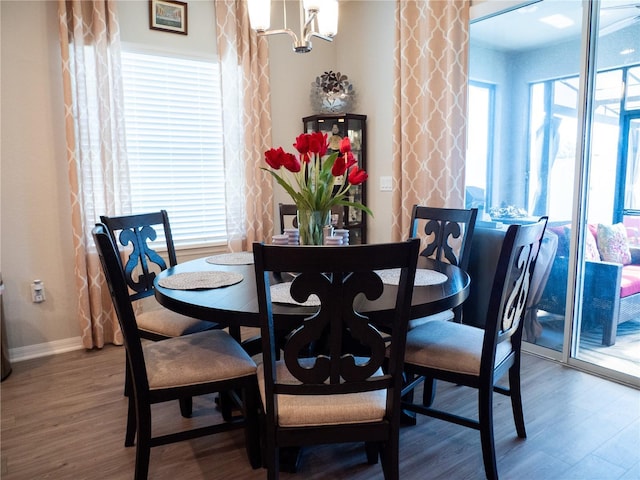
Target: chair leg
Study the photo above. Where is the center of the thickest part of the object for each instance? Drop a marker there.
(429, 392)
(225, 403)
(272, 460)
(186, 407)
(373, 451)
(389, 456)
(485, 418)
(130, 435)
(609, 332)
(143, 449)
(516, 400)
(127, 379)
(407, 417)
(252, 426)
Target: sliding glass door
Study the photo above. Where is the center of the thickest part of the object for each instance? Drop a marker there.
(549, 137)
(609, 324)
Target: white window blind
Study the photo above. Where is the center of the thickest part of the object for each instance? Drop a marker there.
(174, 143)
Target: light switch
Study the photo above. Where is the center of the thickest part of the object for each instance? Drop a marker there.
(385, 184)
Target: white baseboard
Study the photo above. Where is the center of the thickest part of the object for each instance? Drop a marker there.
(19, 354)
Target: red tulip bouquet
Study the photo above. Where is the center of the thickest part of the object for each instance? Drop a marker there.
(311, 180)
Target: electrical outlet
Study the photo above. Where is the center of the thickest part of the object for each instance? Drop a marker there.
(37, 291)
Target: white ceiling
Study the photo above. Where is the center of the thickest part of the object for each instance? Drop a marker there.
(521, 29)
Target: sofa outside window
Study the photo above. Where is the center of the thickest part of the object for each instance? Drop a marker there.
(611, 278)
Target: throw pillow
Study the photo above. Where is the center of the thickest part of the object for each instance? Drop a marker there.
(591, 247)
(613, 244)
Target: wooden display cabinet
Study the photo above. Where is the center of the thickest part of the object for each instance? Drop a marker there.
(352, 125)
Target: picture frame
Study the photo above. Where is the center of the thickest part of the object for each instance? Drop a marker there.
(168, 16)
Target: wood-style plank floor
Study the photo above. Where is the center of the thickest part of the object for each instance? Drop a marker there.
(63, 417)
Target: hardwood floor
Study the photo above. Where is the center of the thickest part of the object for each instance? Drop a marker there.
(63, 417)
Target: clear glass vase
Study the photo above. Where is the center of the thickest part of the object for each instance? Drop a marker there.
(311, 225)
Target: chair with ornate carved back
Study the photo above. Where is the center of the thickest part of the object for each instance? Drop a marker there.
(440, 229)
(135, 234)
(177, 368)
(478, 357)
(446, 235)
(329, 394)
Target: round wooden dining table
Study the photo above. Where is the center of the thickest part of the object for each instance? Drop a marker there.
(236, 305)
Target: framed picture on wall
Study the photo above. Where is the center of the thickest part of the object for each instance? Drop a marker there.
(168, 16)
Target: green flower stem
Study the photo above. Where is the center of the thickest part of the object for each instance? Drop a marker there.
(315, 183)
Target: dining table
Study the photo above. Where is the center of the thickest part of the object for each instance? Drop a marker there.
(236, 305)
(231, 300)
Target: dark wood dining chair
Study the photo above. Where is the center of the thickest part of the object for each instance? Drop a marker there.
(478, 357)
(328, 394)
(446, 235)
(135, 233)
(289, 216)
(177, 368)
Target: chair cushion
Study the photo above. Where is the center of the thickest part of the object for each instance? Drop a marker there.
(446, 316)
(314, 410)
(449, 346)
(630, 281)
(197, 358)
(163, 321)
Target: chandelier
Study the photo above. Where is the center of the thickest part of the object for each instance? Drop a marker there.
(318, 18)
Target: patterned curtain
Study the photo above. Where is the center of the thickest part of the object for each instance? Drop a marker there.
(246, 98)
(96, 156)
(430, 92)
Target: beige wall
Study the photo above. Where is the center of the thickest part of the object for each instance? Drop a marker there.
(36, 231)
(35, 238)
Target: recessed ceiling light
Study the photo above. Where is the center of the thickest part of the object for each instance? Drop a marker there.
(557, 21)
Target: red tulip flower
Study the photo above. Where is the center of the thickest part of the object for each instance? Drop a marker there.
(291, 163)
(350, 160)
(302, 146)
(318, 143)
(312, 185)
(357, 176)
(345, 145)
(273, 157)
(340, 166)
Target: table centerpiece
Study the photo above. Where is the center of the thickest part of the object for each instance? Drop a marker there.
(316, 181)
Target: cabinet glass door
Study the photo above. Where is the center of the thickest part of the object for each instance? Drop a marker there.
(336, 127)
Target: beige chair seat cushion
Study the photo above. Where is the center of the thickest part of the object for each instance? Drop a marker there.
(168, 323)
(197, 358)
(314, 410)
(449, 346)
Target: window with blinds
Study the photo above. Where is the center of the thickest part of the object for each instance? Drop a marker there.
(174, 143)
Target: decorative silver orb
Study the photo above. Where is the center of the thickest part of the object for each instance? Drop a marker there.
(332, 93)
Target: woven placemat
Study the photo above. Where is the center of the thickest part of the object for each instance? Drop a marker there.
(424, 277)
(238, 258)
(200, 280)
(280, 294)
